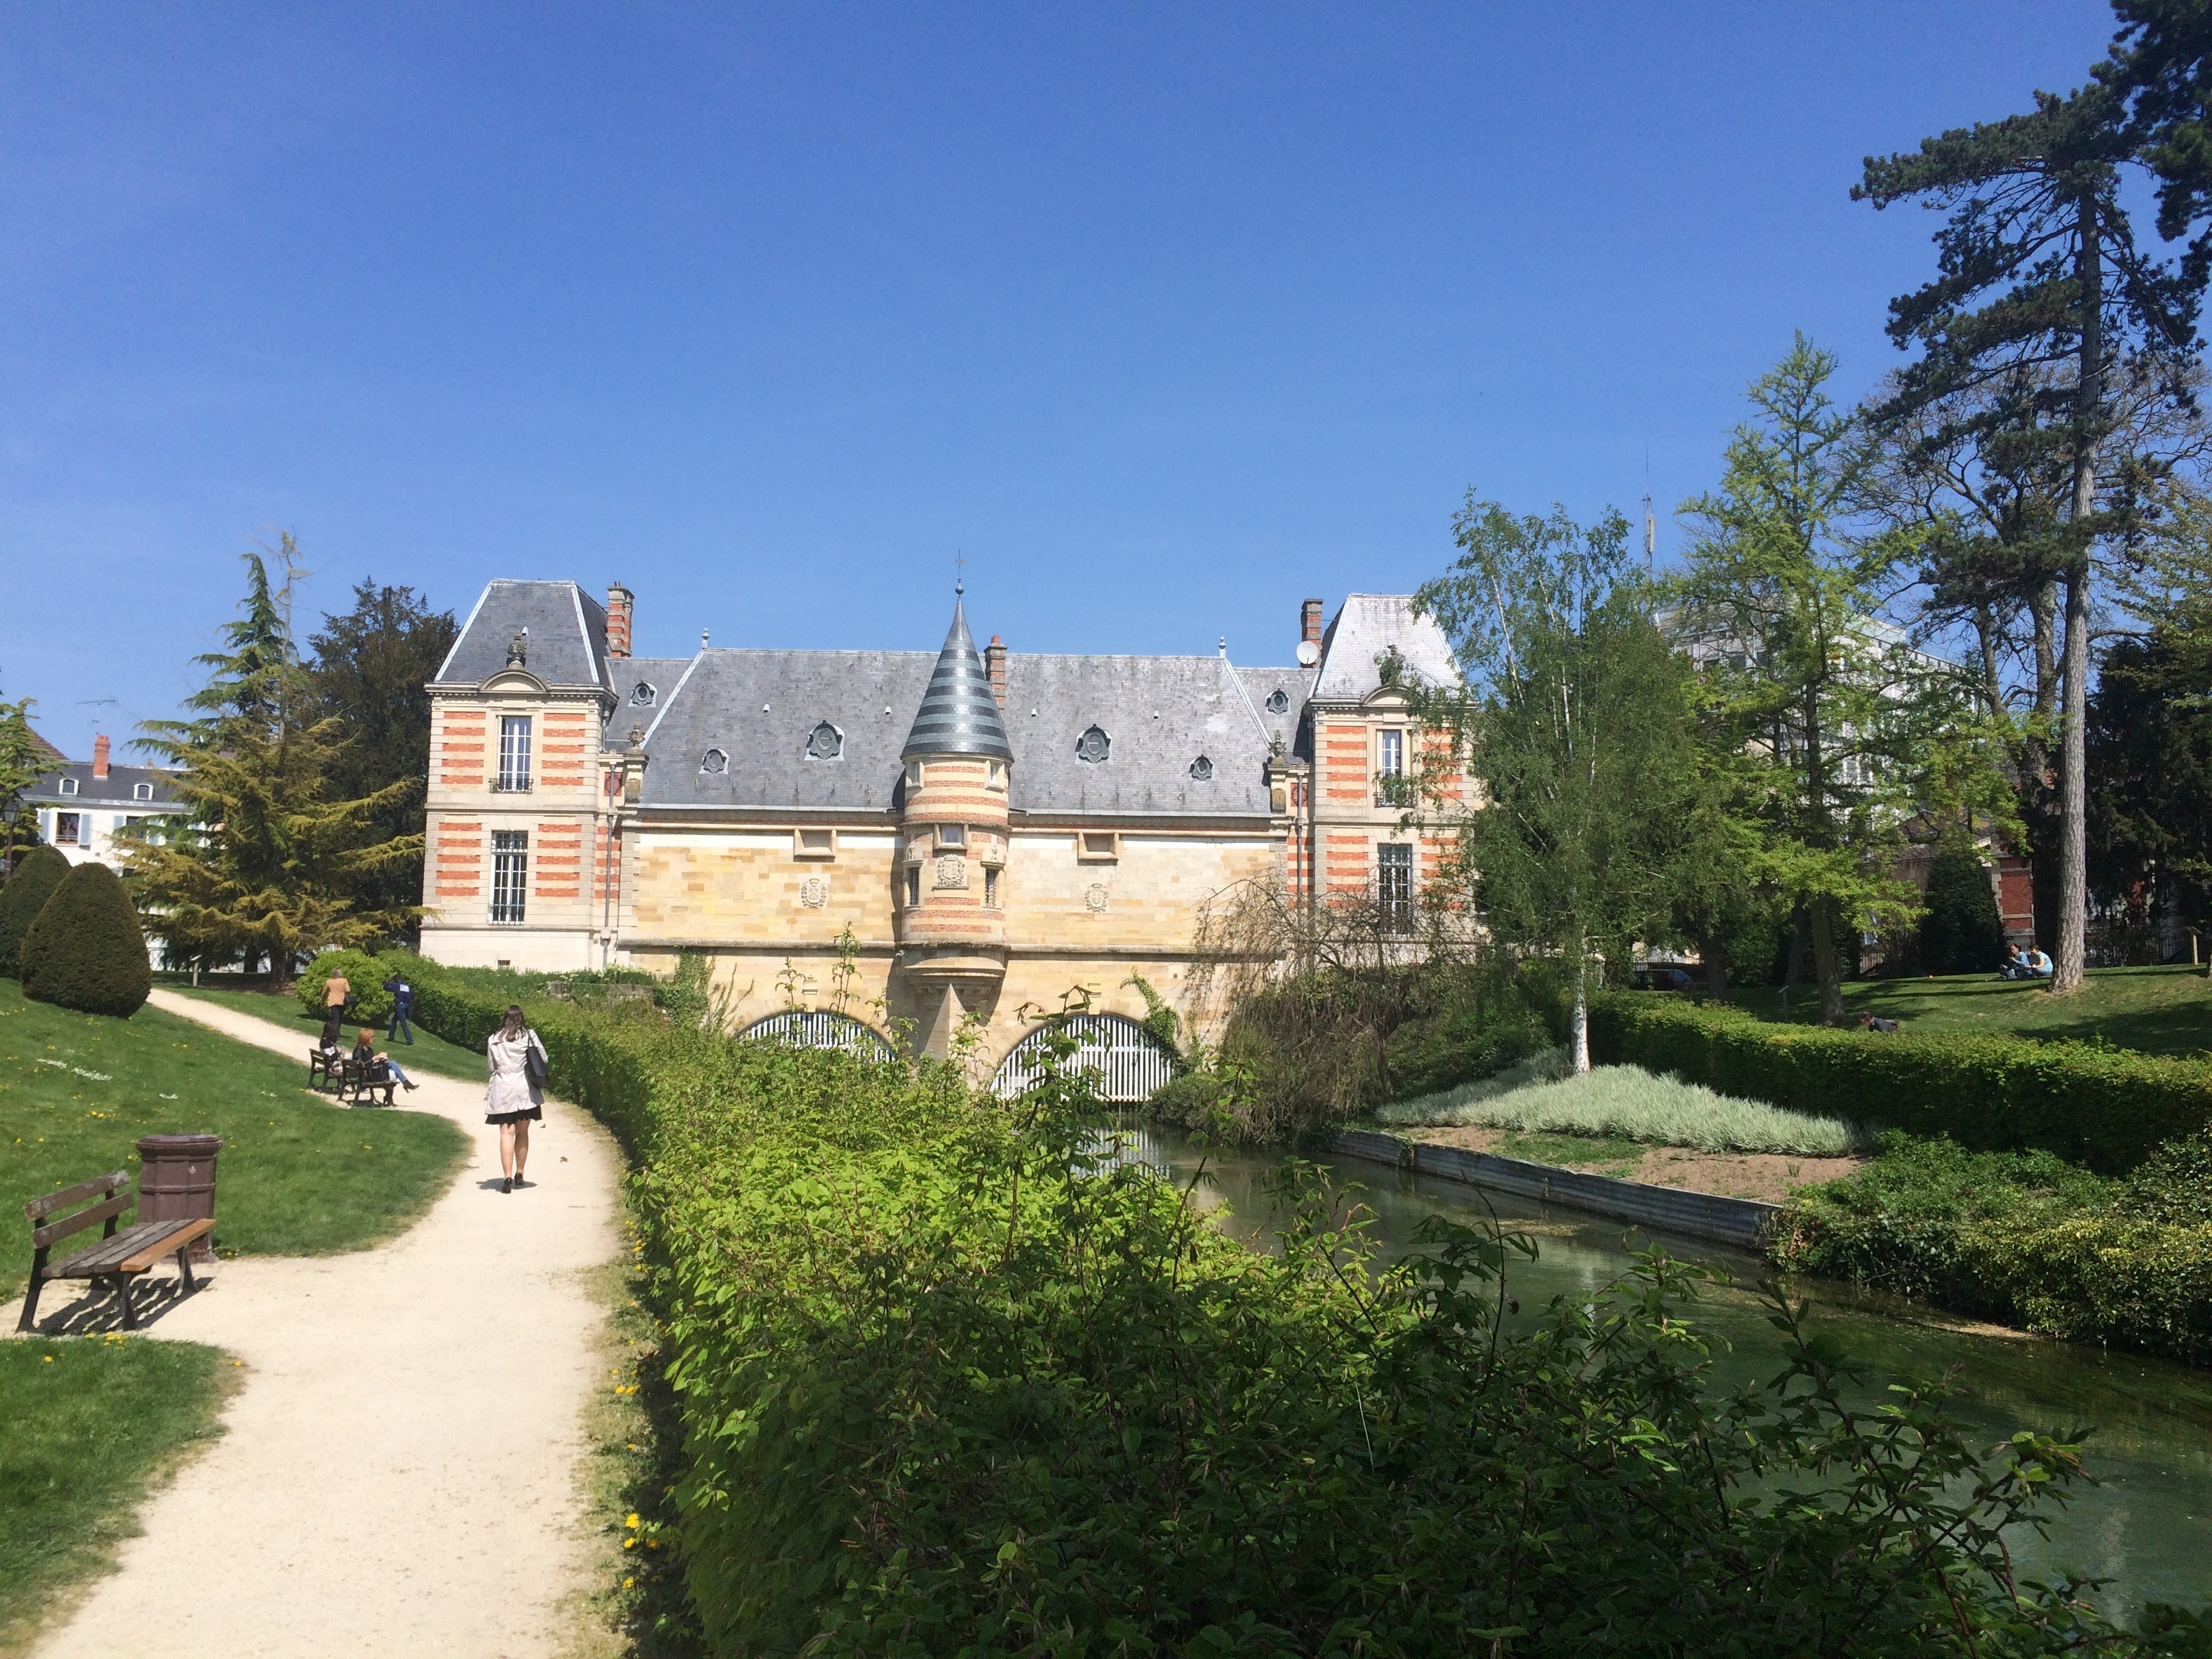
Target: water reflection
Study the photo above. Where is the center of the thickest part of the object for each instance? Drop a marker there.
(2145, 1527)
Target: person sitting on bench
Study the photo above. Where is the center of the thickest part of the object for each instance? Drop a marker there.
(374, 1066)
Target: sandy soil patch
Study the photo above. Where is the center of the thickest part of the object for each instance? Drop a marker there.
(1767, 1175)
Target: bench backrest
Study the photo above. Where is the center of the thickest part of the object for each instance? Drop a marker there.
(104, 1196)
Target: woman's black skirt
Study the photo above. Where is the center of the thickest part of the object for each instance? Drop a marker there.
(514, 1117)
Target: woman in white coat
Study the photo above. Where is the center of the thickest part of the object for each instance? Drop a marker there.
(514, 1100)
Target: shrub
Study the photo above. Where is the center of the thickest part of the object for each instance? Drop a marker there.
(2024, 1238)
(1626, 1102)
(951, 1386)
(86, 950)
(2103, 1107)
(365, 974)
(1962, 932)
(1465, 1042)
(22, 898)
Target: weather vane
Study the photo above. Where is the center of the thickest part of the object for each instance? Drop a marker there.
(960, 579)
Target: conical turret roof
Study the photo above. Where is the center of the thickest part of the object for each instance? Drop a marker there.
(958, 714)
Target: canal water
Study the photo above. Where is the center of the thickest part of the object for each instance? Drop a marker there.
(2145, 1527)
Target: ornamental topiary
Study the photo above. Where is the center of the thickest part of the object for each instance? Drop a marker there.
(87, 950)
(1962, 932)
(23, 897)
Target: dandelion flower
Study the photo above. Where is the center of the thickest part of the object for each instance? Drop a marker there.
(632, 1521)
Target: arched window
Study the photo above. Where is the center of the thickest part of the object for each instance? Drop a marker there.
(825, 742)
(714, 761)
(1094, 745)
(1202, 769)
(1126, 1062)
(643, 695)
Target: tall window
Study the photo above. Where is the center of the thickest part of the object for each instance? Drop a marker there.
(1391, 787)
(515, 752)
(1393, 870)
(65, 828)
(913, 885)
(990, 889)
(1392, 752)
(510, 869)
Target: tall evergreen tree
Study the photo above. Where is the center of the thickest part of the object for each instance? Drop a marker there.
(1576, 721)
(368, 672)
(1779, 601)
(265, 854)
(22, 764)
(2040, 284)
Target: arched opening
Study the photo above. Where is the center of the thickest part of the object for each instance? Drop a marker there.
(797, 1029)
(1127, 1062)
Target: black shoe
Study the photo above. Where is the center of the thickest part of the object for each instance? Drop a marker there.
(507, 1184)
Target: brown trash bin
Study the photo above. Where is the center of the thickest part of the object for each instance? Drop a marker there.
(176, 1183)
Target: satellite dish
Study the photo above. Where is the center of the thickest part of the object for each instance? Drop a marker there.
(1309, 654)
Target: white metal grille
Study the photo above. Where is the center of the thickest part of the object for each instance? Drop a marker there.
(821, 1030)
(1126, 1062)
(515, 752)
(510, 867)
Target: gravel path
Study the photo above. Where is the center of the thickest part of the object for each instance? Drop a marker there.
(398, 1475)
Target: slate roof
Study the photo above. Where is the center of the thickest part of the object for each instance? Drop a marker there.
(115, 790)
(1368, 625)
(1288, 724)
(661, 674)
(1159, 714)
(959, 716)
(568, 634)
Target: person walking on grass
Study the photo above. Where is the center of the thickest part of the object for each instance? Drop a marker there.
(403, 1006)
(516, 1098)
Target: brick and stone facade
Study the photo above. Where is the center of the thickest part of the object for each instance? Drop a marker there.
(994, 832)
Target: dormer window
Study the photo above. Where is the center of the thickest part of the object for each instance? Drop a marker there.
(69, 785)
(142, 791)
(714, 761)
(643, 695)
(1201, 770)
(1093, 746)
(824, 743)
(1279, 701)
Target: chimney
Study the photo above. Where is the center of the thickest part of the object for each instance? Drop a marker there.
(100, 756)
(618, 604)
(1309, 623)
(994, 659)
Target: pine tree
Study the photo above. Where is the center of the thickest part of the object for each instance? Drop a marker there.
(2041, 285)
(22, 764)
(1961, 931)
(266, 855)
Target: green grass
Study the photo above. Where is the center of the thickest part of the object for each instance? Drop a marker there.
(431, 1055)
(297, 1174)
(91, 1426)
(1621, 1102)
(1614, 1155)
(2155, 1011)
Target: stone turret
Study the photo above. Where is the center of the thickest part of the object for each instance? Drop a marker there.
(951, 874)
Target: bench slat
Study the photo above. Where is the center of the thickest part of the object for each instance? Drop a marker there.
(42, 1236)
(110, 1253)
(39, 1208)
(180, 1234)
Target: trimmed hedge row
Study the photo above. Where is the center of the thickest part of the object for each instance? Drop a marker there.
(2104, 1108)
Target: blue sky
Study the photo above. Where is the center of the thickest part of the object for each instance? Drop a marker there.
(1165, 316)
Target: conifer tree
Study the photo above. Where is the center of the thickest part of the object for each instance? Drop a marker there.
(22, 764)
(2040, 284)
(265, 854)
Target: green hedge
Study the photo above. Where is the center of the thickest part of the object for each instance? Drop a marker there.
(21, 899)
(949, 1388)
(364, 973)
(2104, 1108)
(86, 950)
(2024, 1238)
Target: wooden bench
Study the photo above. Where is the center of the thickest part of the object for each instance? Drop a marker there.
(323, 1065)
(120, 1257)
(356, 1082)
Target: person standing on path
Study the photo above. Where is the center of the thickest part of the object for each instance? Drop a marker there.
(403, 1004)
(337, 991)
(516, 1096)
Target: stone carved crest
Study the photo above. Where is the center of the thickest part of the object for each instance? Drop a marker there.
(814, 892)
(1094, 897)
(951, 872)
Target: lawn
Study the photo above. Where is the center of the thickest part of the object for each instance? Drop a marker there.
(429, 1055)
(2157, 1010)
(298, 1176)
(92, 1424)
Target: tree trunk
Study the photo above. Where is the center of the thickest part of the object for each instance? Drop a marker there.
(1801, 942)
(2073, 749)
(1826, 962)
(2069, 949)
(1715, 964)
(1578, 1021)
